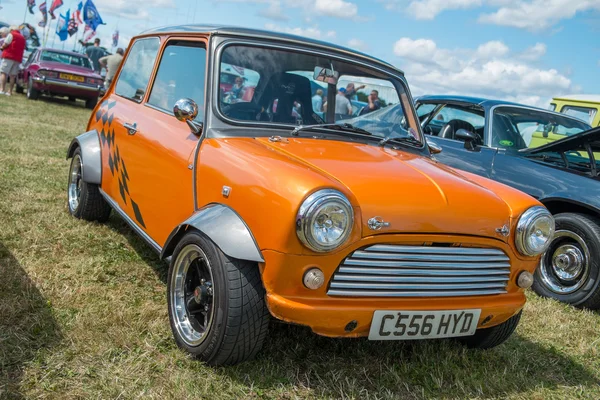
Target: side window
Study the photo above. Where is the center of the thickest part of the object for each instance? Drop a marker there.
(583, 113)
(135, 74)
(181, 74)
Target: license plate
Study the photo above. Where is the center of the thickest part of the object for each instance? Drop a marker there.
(70, 77)
(413, 325)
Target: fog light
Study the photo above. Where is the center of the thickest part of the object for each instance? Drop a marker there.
(525, 280)
(314, 278)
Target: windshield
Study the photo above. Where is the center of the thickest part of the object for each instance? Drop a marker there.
(64, 58)
(288, 87)
(520, 128)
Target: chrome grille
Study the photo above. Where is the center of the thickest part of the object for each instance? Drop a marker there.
(421, 271)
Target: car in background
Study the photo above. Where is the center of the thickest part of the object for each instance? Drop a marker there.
(552, 157)
(583, 106)
(60, 73)
(270, 211)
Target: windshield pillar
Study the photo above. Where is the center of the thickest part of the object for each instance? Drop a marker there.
(331, 92)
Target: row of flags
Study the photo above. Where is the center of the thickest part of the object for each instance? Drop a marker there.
(68, 25)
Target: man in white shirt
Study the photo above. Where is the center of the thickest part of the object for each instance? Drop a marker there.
(342, 104)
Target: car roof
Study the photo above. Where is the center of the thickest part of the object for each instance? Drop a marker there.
(71, 53)
(264, 34)
(480, 101)
(593, 98)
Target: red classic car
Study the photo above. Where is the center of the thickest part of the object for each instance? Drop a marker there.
(60, 73)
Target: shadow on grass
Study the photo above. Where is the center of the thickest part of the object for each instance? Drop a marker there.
(27, 325)
(63, 101)
(295, 357)
(294, 362)
(143, 249)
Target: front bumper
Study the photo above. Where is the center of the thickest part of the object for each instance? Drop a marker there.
(67, 88)
(289, 300)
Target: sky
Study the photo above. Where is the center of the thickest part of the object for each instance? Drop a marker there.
(520, 50)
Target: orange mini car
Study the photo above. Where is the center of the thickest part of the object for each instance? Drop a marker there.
(277, 203)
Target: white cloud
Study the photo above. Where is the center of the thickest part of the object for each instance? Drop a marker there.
(534, 52)
(488, 71)
(537, 15)
(336, 8)
(132, 9)
(358, 44)
(311, 32)
(428, 9)
(274, 11)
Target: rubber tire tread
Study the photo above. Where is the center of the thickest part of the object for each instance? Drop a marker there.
(32, 94)
(245, 318)
(91, 103)
(92, 206)
(494, 336)
(593, 224)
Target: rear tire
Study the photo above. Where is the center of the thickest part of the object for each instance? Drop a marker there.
(84, 199)
(19, 89)
(217, 307)
(32, 93)
(494, 336)
(569, 271)
(72, 99)
(91, 103)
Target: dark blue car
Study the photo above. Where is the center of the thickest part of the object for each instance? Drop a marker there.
(553, 157)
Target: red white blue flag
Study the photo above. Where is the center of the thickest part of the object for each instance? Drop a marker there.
(30, 5)
(55, 4)
(44, 12)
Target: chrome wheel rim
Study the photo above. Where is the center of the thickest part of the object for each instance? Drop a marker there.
(191, 295)
(564, 267)
(75, 182)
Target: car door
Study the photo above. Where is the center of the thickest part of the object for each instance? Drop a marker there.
(455, 154)
(156, 185)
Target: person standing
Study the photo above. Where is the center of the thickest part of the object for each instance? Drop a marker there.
(94, 53)
(12, 55)
(351, 91)
(342, 104)
(111, 63)
(317, 101)
(374, 103)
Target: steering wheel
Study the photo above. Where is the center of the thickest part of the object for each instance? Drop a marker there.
(245, 111)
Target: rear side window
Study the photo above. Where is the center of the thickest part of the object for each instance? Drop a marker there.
(583, 113)
(134, 77)
(181, 74)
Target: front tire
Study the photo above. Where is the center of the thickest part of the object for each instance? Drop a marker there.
(494, 336)
(84, 199)
(569, 271)
(217, 308)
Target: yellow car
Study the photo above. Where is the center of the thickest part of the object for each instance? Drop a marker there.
(582, 106)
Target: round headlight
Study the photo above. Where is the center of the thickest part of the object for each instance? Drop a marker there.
(324, 220)
(535, 230)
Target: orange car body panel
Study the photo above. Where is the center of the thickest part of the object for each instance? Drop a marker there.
(424, 202)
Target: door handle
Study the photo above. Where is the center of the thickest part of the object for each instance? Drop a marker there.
(131, 128)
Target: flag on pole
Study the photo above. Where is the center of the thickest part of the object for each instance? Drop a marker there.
(44, 12)
(73, 26)
(115, 38)
(77, 13)
(55, 4)
(90, 35)
(62, 26)
(30, 5)
(91, 16)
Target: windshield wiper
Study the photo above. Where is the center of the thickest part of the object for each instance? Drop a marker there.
(345, 127)
(400, 139)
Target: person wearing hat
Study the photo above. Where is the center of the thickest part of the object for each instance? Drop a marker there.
(342, 104)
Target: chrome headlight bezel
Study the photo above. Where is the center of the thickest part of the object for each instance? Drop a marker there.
(307, 211)
(527, 222)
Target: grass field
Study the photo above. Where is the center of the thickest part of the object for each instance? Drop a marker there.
(83, 312)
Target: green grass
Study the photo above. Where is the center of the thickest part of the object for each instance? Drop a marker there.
(83, 312)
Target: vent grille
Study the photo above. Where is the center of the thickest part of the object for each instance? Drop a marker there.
(421, 271)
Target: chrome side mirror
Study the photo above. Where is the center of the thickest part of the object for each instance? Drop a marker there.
(186, 110)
